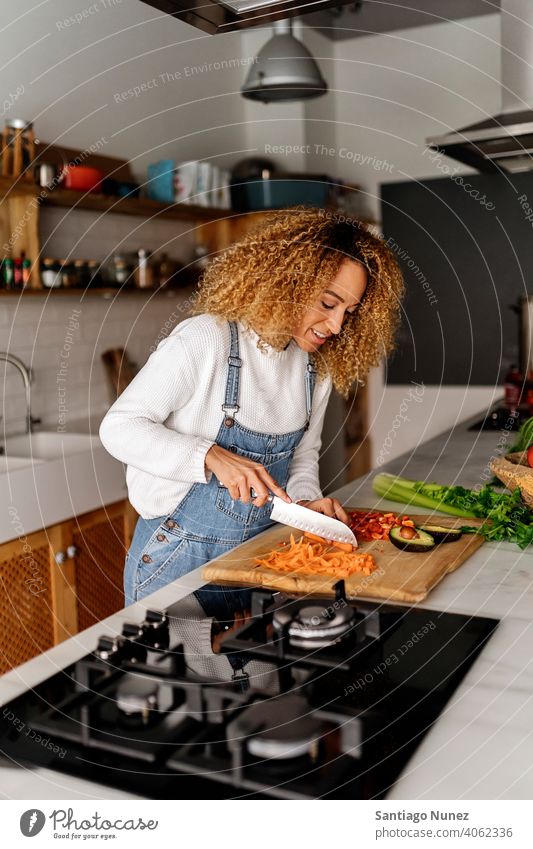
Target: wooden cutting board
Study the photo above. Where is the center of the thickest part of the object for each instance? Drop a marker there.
(400, 575)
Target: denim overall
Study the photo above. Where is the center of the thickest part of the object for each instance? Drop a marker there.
(207, 522)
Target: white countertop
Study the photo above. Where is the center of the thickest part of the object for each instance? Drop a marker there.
(481, 747)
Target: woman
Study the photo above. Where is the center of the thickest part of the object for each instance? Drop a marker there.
(233, 400)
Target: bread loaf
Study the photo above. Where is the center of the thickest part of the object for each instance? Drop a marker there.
(514, 473)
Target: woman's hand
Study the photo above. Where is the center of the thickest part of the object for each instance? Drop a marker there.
(239, 475)
(329, 507)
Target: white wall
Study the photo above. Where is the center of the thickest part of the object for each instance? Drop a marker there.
(320, 123)
(46, 332)
(392, 91)
(74, 75)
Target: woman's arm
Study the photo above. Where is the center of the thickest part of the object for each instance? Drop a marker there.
(303, 483)
(304, 486)
(133, 430)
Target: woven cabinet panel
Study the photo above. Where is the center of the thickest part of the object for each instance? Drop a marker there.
(99, 570)
(26, 617)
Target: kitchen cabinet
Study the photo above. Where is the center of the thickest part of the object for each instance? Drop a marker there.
(27, 594)
(218, 235)
(59, 581)
(100, 541)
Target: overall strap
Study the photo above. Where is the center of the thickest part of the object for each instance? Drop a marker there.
(230, 405)
(310, 379)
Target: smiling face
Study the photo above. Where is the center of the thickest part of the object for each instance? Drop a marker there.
(324, 318)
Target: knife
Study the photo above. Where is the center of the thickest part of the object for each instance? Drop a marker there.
(304, 519)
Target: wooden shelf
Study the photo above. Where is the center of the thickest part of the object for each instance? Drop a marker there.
(103, 291)
(134, 206)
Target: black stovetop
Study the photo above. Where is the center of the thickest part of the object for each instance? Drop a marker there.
(301, 698)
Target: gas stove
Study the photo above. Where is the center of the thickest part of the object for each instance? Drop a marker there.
(249, 694)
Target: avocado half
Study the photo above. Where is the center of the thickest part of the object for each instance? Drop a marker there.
(421, 542)
(441, 534)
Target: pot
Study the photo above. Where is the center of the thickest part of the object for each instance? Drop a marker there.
(82, 178)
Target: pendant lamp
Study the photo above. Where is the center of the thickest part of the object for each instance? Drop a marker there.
(284, 70)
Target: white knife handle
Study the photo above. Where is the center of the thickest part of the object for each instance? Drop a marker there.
(253, 494)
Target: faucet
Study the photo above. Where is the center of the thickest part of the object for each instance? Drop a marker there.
(25, 373)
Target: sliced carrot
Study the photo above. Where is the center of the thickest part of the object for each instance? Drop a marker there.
(343, 546)
(317, 558)
(314, 537)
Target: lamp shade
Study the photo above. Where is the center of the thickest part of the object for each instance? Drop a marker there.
(283, 71)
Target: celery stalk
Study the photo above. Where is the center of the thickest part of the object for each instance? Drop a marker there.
(403, 490)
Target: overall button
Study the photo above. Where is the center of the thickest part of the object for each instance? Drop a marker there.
(170, 523)
(161, 538)
(146, 558)
(228, 421)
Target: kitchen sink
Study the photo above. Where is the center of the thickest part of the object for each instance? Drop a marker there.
(46, 445)
(48, 477)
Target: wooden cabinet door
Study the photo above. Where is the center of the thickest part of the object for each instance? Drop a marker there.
(100, 539)
(26, 599)
(61, 580)
(218, 235)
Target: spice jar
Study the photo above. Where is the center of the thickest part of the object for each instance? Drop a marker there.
(17, 273)
(50, 273)
(120, 270)
(81, 273)
(94, 273)
(144, 274)
(164, 270)
(26, 272)
(68, 273)
(8, 269)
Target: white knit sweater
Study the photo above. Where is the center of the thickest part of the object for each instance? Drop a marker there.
(165, 421)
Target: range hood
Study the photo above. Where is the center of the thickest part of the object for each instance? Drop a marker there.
(503, 144)
(227, 15)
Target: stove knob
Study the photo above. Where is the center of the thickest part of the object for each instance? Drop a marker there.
(134, 648)
(109, 648)
(155, 628)
(132, 631)
(156, 618)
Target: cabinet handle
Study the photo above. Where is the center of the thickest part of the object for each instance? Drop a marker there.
(72, 550)
(60, 557)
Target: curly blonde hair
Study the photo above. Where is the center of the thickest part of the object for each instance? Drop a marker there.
(277, 271)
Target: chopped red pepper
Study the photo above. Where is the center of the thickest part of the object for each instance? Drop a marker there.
(370, 525)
